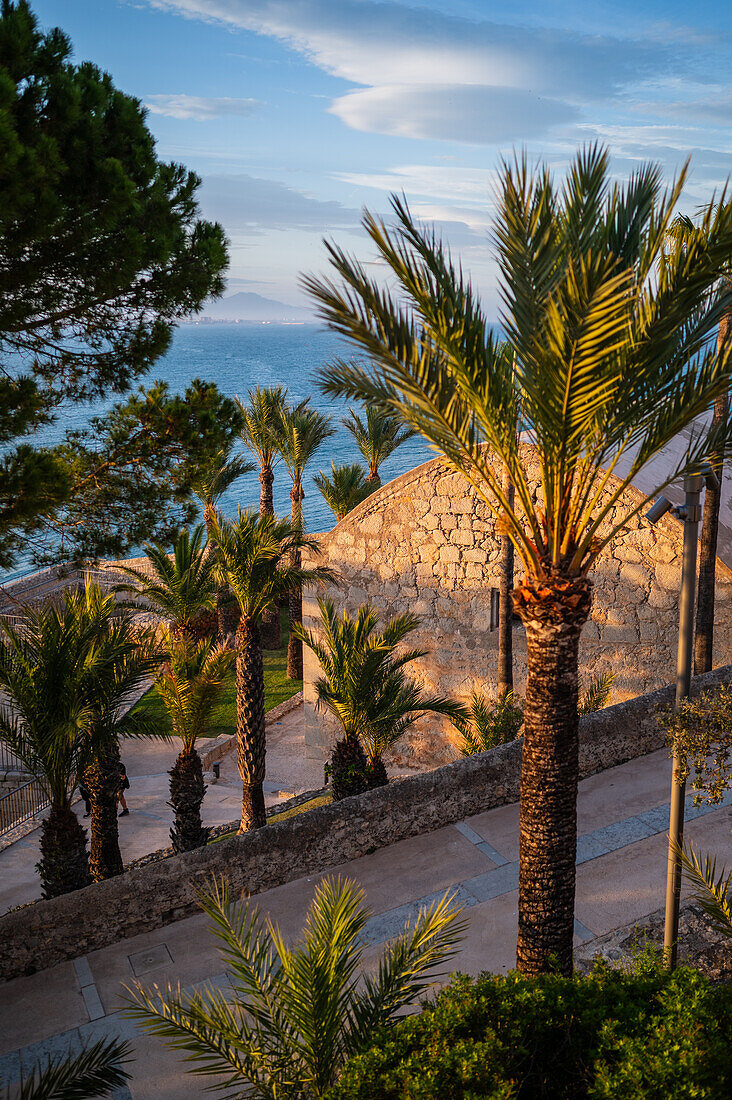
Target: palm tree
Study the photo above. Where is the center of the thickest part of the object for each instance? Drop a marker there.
(211, 480)
(190, 686)
(259, 435)
(260, 556)
(609, 330)
(300, 432)
(367, 691)
(683, 229)
(377, 437)
(490, 722)
(298, 1013)
(183, 588)
(46, 665)
(124, 658)
(711, 890)
(346, 487)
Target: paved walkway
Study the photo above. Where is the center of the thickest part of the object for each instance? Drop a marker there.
(623, 819)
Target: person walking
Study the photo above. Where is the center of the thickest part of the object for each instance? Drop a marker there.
(124, 785)
(84, 792)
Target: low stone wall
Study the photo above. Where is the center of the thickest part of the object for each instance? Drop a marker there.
(223, 745)
(48, 932)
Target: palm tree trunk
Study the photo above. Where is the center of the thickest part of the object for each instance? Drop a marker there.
(187, 789)
(64, 864)
(250, 731)
(704, 640)
(294, 645)
(271, 625)
(505, 602)
(102, 781)
(374, 481)
(553, 614)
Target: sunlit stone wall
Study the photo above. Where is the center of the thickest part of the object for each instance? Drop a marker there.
(426, 543)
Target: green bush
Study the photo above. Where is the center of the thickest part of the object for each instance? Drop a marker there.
(608, 1036)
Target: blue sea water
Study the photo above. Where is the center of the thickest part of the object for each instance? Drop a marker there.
(240, 356)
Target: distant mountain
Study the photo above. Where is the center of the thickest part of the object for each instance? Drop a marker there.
(247, 306)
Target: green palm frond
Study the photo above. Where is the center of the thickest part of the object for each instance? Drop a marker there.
(180, 587)
(300, 432)
(608, 355)
(377, 437)
(190, 685)
(365, 686)
(489, 722)
(261, 418)
(96, 1072)
(297, 1013)
(596, 695)
(711, 890)
(344, 489)
(260, 556)
(216, 474)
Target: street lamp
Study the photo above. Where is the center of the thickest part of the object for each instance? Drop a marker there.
(690, 515)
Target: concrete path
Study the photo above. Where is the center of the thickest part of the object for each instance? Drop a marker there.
(623, 819)
(148, 826)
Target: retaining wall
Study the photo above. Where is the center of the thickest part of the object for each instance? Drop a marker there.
(48, 932)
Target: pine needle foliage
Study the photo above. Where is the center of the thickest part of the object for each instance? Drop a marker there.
(297, 1013)
(344, 489)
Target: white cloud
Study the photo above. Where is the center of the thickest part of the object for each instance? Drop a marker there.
(249, 205)
(201, 108)
(427, 74)
(452, 112)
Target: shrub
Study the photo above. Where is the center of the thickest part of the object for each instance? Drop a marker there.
(611, 1035)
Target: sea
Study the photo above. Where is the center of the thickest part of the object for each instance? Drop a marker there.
(238, 357)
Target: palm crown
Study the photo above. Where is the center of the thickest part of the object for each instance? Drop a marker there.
(301, 431)
(260, 422)
(377, 437)
(258, 555)
(217, 474)
(344, 489)
(181, 587)
(190, 685)
(365, 685)
(607, 330)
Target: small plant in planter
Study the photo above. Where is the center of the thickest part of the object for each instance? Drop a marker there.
(366, 688)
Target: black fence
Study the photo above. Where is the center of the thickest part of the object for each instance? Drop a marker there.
(21, 804)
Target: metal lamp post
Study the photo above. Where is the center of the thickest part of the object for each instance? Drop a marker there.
(690, 514)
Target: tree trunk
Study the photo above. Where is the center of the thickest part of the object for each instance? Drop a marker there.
(250, 731)
(64, 864)
(505, 602)
(294, 645)
(271, 625)
(348, 768)
(187, 789)
(102, 781)
(704, 640)
(553, 613)
(374, 481)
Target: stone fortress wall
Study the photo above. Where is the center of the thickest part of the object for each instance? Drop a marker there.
(426, 543)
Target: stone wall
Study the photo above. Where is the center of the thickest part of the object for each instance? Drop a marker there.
(47, 932)
(426, 543)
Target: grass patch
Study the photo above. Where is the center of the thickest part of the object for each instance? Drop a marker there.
(277, 688)
(321, 800)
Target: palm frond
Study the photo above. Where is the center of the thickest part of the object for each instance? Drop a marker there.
(98, 1071)
(344, 489)
(711, 890)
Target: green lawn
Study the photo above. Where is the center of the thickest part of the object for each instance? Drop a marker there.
(277, 688)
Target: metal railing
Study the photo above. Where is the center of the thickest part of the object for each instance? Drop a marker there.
(21, 804)
(9, 762)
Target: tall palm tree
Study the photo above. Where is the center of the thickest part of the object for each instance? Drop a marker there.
(182, 589)
(190, 686)
(344, 489)
(609, 330)
(261, 558)
(298, 1012)
(301, 431)
(259, 435)
(124, 659)
(377, 437)
(683, 229)
(213, 476)
(366, 689)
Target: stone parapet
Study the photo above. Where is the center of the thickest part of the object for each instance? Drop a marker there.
(48, 932)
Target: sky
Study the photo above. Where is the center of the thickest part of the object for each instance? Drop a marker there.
(297, 114)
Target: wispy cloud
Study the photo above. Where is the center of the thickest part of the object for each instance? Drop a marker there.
(248, 205)
(200, 108)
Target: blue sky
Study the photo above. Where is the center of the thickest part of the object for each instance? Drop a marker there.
(297, 113)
